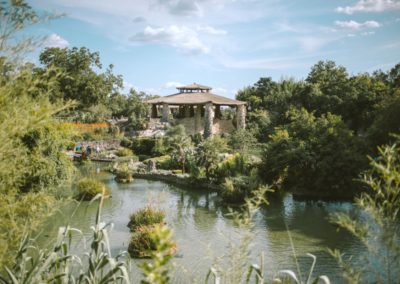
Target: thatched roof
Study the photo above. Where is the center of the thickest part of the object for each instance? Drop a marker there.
(195, 98)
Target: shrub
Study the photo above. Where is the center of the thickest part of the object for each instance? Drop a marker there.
(143, 157)
(232, 166)
(144, 145)
(123, 175)
(89, 188)
(144, 217)
(141, 243)
(164, 162)
(127, 159)
(236, 189)
(123, 152)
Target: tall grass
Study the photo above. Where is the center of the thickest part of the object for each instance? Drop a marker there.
(60, 265)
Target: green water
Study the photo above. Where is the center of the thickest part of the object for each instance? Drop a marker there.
(204, 234)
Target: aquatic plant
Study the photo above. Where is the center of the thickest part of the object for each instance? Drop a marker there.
(144, 217)
(60, 265)
(141, 242)
(157, 271)
(88, 188)
(123, 175)
(377, 224)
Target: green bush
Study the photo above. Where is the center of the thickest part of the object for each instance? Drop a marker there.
(123, 175)
(232, 166)
(164, 162)
(236, 189)
(144, 217)
(141, 243)
(177, 171)
(144, 145)
(143, 157)
(89, 188)
(123, 152)
(127, 159)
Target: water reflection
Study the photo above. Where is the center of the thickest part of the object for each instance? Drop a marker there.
(203, 233)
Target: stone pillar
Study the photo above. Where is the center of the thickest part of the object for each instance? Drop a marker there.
(218, 113)
(197, 118)
(154, 113)
(165, 112)
(240, 116)
(208, 120)
(186, 111)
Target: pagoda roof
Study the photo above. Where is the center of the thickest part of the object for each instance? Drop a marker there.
(195, 98)
(194, 86)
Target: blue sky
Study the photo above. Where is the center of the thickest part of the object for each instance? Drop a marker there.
(226, 44)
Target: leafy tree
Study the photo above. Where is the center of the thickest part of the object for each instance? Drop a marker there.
(313, 155)
(77, 77)
(207, 154)
(242, 140)
(178, 141)
(31, 163)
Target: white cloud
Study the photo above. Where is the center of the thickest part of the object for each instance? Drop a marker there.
(210, 30)
(353, 25)
(54, 40)
(370, 6)
(180, 37)
(172, 84)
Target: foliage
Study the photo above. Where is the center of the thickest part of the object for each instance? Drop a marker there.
(232, 166)
(313, 155)
(123, 174)
(376, 226)
(88, 188)
(366, 104)
(144, 217)
(206, 156)
(60, 265)
(164, 162)
(143, 145)
(32, 164)
(78, 80)
(157, 271)
(242, 140)
(237, 189)
(178, 142)
(16, 16)
(141, 243)
(124, 152)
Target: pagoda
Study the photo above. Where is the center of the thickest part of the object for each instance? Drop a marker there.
(199, 110)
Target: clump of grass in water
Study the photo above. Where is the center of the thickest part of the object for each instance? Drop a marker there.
(144, 217)
(88, 188)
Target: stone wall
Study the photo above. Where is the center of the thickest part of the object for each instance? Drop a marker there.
(219, 126)
(103, 144)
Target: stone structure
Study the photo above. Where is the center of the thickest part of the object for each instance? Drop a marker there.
(198, 109)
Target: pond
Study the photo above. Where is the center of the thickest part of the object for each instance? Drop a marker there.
(205, 235)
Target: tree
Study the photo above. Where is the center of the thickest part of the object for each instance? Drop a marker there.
(77, 77)
(31, 163)
(207, 154)
(313, 155)
(177, 141)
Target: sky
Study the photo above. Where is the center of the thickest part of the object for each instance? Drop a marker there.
(157, 45)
